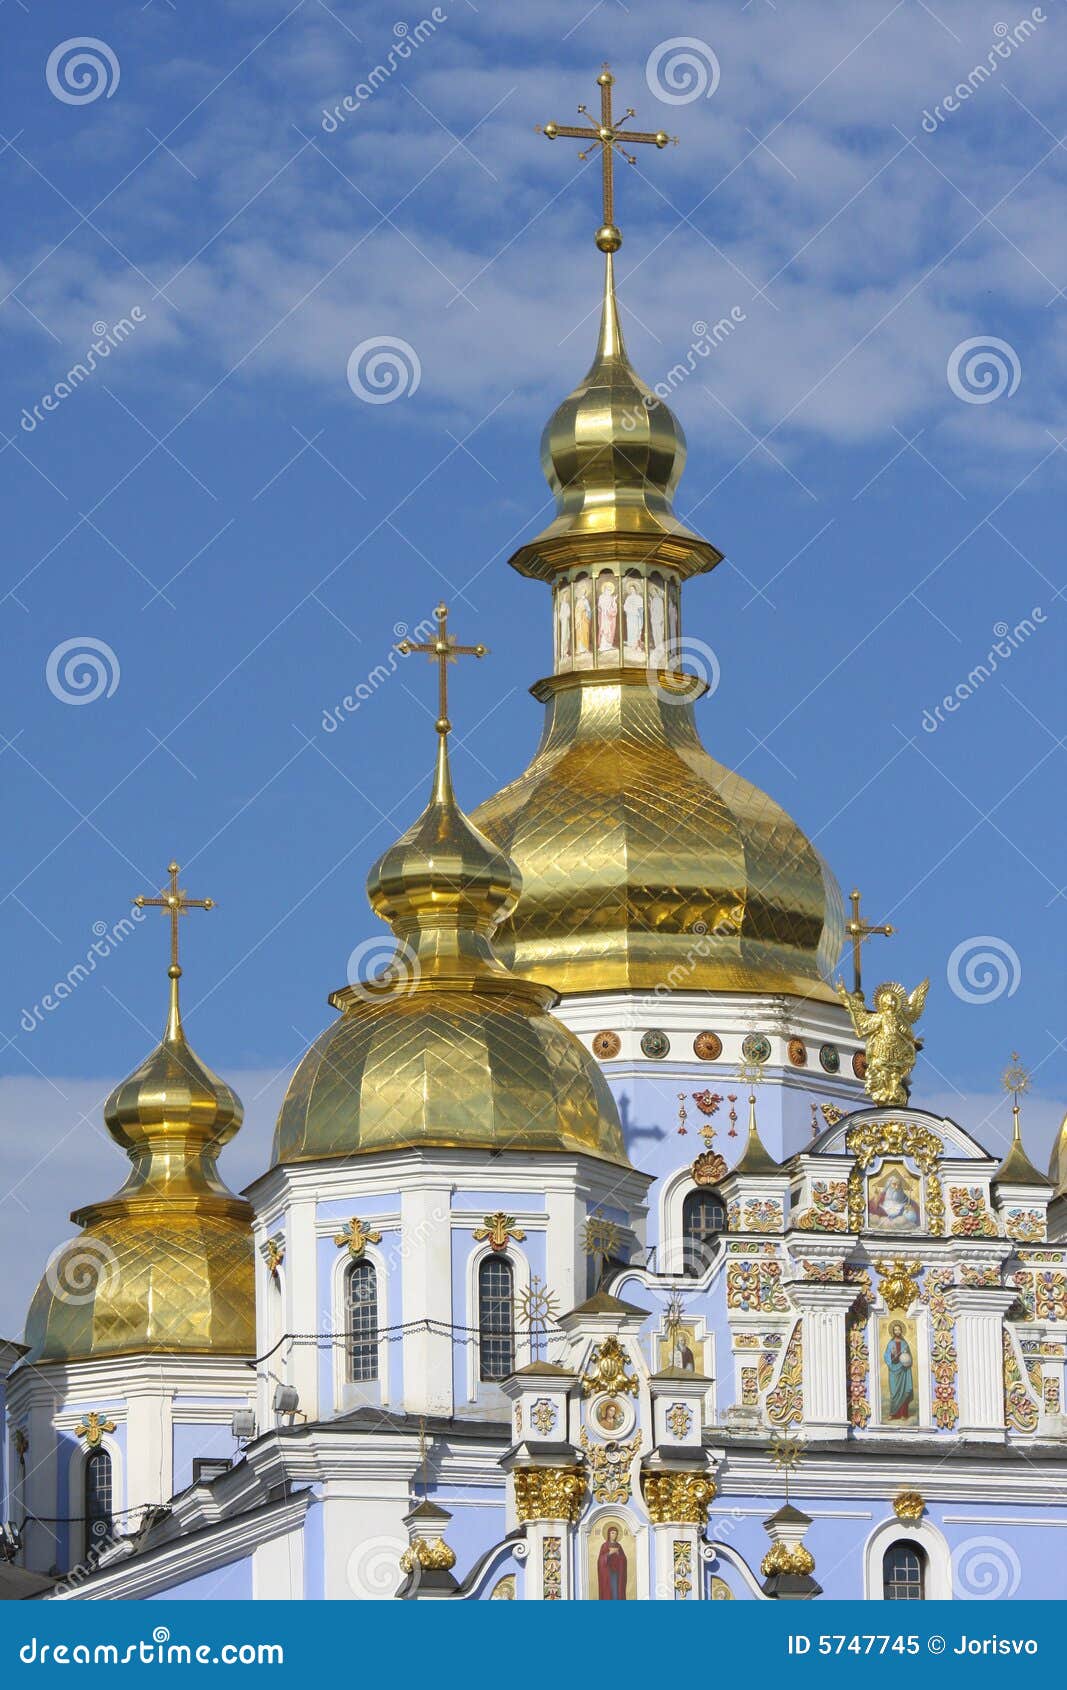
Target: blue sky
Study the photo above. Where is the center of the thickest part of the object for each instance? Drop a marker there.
(243, 532)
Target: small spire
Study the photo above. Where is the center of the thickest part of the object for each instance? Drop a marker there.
(1017, 1168)
(755, 1158)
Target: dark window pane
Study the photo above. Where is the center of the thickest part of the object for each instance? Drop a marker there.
(904, 1573)
(98, 1502)
(496, 1321)
(362, 1289)
(703, 1218)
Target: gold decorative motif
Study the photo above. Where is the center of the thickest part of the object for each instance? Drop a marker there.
(683, 1569)
(786, 1453)
(889, 1041)
(831, 1114)
(608, 1366)
(609, 1467)
(355, 1237)
(1020, 1409)
(678, 1499)
(498, 1229)
(92, 1429)
(21, 1442)
(859, 1356)
(432, 1554)
(935, 1207)
(543, 1416)
(601, 1239)
(552, 1569)
(273, 1252)
(707, 1047)
(785, 1404)
(898, 1283)
(708, 1168)
(679, 1419)
(537, 1308)
(894, 1138)
(549, 1493)
(780, 1558)
(908, 1505)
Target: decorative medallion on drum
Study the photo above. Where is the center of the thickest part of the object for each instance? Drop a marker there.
(611, 1418)
(655, 1044)
(798, 1053)
(707, 1046)
(859, 1064)
(606, 1045)
(354, 1237)
(92, 1429)
(497, 1230)
(756, 1048)
(908, 1505)
(830, 1058)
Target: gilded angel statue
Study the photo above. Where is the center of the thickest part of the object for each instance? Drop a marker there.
(886, 1030)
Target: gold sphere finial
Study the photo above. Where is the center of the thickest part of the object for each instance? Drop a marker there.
(609, 237)
(549, 129)
(605, 79)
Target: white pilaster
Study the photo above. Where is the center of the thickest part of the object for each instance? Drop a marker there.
(979, 1316)
(426, 1303)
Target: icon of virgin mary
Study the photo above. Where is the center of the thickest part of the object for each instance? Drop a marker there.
(611, 1568)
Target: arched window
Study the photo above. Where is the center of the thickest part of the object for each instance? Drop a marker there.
(496, 1318)
(904, 1572)
(98, 1503)
(361, 1297)
(703, 1217)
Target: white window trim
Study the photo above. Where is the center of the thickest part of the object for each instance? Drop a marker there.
(345, 1389)
(929, 1539)
(79, 1532)
(520, 1283)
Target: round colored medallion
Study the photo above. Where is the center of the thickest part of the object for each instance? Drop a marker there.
(655, 1044)
(859, 1064)
(606, 1045)
(830, 1057)
(708, 1046)
(798, 1053)
(756, 1048)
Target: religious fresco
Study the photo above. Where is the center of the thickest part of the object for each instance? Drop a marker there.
(682, 1348)
(898, 1371)
(583, 624)
(611, 1561)
(893, 1199)
(607, 618)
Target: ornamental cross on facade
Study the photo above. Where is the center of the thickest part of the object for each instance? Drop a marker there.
(356, 1236)
(92, 1428)
(498, 1229)
(443, 650)
(608, 135)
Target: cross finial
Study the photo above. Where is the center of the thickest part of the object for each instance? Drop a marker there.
(175, 901)
(444, 651)
(1015, 1080)
(859, 930)
(608, 135)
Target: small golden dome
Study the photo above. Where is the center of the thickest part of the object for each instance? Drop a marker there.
(612, 454)
(446, 1048)
(166, 1265)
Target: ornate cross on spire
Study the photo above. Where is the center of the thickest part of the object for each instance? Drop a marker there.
(444, 651)
(859, 930)
(608, 135)
(175, 901)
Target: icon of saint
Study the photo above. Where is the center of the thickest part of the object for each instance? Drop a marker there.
(564, 616)
(611, 1568)
(583, 620)
(899, 1364)
(607, 616)
(633, 609)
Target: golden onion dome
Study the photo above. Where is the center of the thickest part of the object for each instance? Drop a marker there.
(445, 1048)
(164, 1267)
(645, 863)
(612, 454)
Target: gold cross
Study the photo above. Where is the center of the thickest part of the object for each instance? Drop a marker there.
(606, 135)
(859, 930)
(444, 651)
(175, 901)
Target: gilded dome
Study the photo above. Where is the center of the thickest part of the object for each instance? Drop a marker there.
(645, 863)
(165, 1266)
(446, 1048)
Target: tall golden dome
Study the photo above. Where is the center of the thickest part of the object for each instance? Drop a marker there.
(645, 863)
(165, 1266)
(446, 1048)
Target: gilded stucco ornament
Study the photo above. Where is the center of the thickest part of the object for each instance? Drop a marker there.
(609, 1467)
(432, 1554)
(908, 1505)
(898, 1283)
(92, 1429)
(549, 1493)
(273, 1253)
(890, 1043)
(498, 1229)
(607, 1372)
(355, 1237)
(678, 1499)
(781, 1558)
